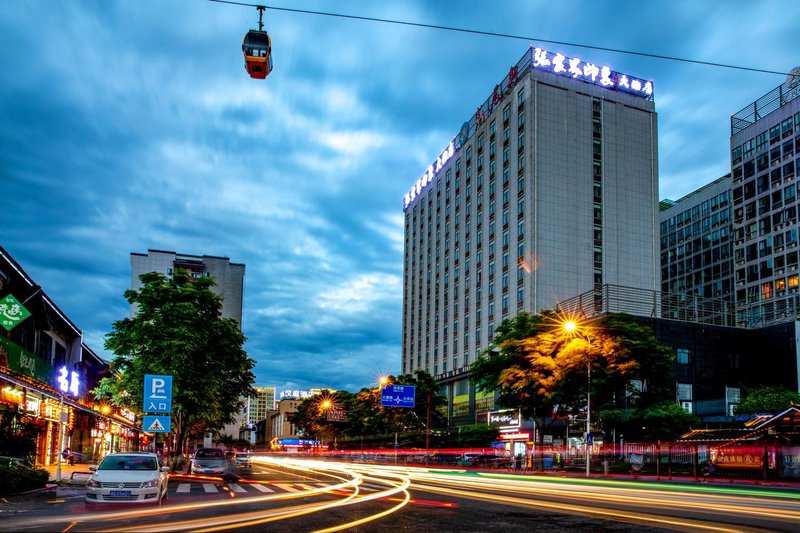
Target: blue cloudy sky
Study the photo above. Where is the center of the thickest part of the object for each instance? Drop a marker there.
(131, 124)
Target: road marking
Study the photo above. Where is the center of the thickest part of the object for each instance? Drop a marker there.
(287, 488)
(262, 488)
(306, 487)
(184, 487)
(209, 487)
(235, 487)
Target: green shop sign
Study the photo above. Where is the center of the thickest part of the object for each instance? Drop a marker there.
(22, 361)
(12, 312)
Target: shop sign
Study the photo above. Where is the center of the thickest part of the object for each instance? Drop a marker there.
(128, 415)
(791, 461)
(336, 414)
(32, 405)
(518, 435)
(297, 394)
(12, 312)
(737, 457)
(24, 362)
(506, 418)
(68, 382)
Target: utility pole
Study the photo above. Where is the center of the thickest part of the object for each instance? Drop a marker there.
(428, 422)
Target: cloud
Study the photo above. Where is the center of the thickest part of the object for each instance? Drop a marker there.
(133, 125)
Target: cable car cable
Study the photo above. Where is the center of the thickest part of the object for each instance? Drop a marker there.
(509, 36)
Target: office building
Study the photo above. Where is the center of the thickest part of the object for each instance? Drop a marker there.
(549, 190)
(697, 242)
(229, 277)
(765, 144)
(260, 405)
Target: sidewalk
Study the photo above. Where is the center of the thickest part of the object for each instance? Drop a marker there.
(77, 473)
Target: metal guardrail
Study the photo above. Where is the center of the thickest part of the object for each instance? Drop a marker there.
(773, 100)
(681, 307)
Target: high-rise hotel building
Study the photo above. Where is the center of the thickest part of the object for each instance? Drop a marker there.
(765, 165)
(549, 190)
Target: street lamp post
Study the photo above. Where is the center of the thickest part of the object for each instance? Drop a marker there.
(571, 327)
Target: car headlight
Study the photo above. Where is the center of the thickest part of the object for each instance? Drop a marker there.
(151, 483)
(92, 482)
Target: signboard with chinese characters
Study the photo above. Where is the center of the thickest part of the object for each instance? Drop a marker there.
(516, 435)
(297, 394)
(398, 396)
(24, 362)
(507, 418)
(157, 394)
(791, 461)
(68, 382)
(336, 414)
(738, 457)
(12, 312)
(602, 75)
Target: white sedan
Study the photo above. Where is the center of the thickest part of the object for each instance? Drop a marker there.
(127, 477)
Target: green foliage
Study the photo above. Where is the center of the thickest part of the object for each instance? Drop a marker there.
(366, 416)
(17, 437)
(538, 364)
(768, 399)
(179, 331)
(662, 421)
(472, 436)
(18, 477)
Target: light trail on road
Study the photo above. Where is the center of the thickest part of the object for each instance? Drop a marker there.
(381, 490)
(346, 491)
(687, 508)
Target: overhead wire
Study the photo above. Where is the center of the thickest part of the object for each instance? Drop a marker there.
(508, 36)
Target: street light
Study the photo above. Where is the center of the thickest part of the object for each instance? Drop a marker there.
(572, 328)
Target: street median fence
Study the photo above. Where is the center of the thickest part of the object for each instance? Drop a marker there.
(704, 461)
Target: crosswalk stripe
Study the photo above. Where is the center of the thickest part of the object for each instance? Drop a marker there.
(235, 487)
(184, 487)
(287, 488)
(262, 488)
(209, 487)
(306, 487)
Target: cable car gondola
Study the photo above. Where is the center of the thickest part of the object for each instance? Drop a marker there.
(257, 50)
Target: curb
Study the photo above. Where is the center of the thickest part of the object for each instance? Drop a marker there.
(47, 487)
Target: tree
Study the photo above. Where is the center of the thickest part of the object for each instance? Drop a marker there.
(768, 399)
(311, 417)
(365, 416)
(537, 364)
(178, 330)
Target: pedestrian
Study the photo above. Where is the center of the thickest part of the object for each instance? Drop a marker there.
(708, 471)
(68, 456)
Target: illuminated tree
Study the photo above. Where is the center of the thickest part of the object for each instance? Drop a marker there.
(538, 364)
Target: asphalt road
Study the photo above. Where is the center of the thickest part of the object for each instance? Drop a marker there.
(298, 495)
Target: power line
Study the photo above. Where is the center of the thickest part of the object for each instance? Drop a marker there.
(508, 36)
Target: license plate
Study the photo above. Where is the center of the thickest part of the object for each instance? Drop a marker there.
(120, 493)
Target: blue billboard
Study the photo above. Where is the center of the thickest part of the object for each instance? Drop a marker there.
(398, 396)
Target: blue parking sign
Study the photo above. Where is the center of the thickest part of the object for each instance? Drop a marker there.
(398, 396)
(157, 394)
